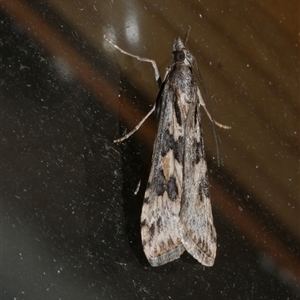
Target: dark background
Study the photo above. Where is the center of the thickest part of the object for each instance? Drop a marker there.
(69, 219)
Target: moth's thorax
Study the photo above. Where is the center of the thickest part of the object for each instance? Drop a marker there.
(182, 78)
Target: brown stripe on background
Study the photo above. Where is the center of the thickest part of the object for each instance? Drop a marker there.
(91, 78)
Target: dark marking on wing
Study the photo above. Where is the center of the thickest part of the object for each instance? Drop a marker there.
(177, 112)
(159, 224)
(198, 152)
(159, 183)
(178, 149)
(152, 230)
(196, 115)
(172, 189)
(167, 143)
(200, 194)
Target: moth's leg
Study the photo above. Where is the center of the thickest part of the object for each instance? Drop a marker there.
(126, 136)
(157, 78)
(213, 122)
(156, 73)
(207, 112)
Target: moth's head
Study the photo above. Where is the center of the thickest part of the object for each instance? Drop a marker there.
(181, 54)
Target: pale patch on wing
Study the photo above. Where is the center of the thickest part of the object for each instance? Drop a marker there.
(168, 164)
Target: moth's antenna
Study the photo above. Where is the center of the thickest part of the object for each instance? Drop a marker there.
(187, 35)
(206, 102)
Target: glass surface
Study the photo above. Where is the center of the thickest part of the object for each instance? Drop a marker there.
(69, 218)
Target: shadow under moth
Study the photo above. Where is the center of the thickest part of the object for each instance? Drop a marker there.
(176, 214)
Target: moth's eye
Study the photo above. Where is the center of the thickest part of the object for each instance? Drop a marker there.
(179, 56)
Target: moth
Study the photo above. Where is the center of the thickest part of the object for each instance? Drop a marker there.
(176, 213)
